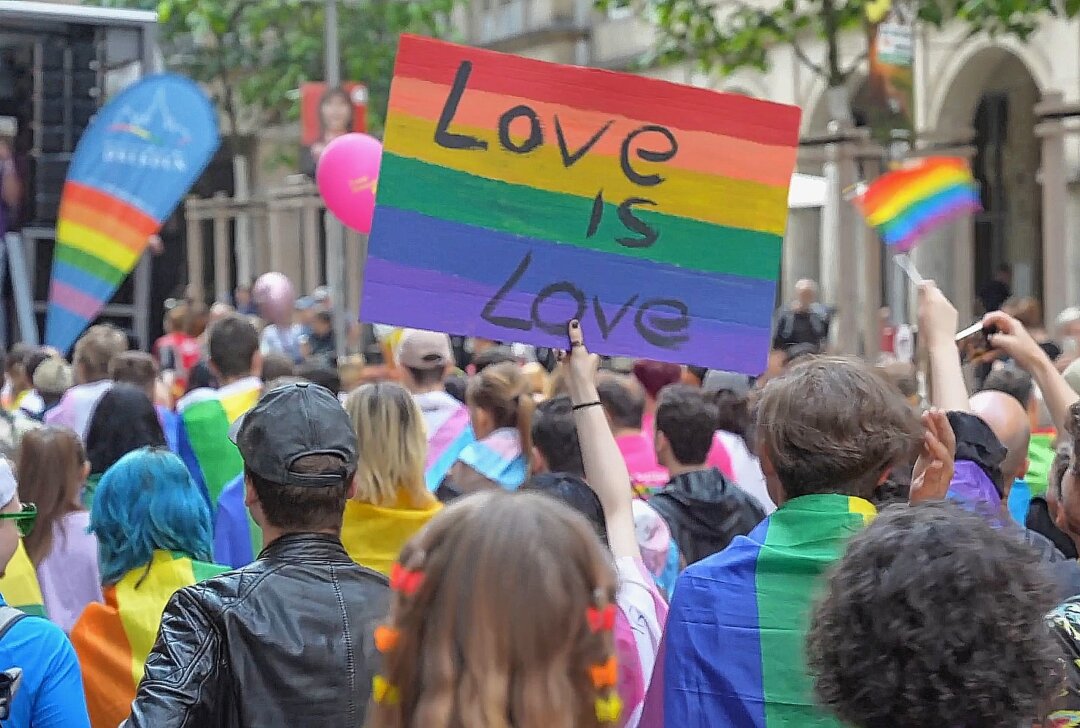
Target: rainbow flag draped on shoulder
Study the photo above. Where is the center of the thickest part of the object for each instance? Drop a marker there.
(733, 653)
(205, 418)
(113, 639)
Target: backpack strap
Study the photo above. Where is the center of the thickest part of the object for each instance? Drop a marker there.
(8, 617)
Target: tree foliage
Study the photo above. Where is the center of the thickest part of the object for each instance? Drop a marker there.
(254, 54)
(725, 35)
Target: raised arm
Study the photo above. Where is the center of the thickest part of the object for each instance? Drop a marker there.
(605, 468)
(937, 326)
(1014, 340)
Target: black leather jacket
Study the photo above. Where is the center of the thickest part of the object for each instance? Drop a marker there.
(285, 641)
(705, 511)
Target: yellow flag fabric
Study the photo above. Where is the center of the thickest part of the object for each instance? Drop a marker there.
(373, 535)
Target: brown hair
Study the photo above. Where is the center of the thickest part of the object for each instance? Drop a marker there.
(95, 351)
(296, 508)
(504, 392)
(1028, 311)
(831, 425)
(50, 475)
(521, 659)
(137, 368)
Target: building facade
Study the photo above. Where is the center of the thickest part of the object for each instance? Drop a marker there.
(1009, 107)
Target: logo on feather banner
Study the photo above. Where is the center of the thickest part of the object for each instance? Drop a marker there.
(133, 165)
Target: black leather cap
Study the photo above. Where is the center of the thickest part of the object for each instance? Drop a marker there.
(292, 422)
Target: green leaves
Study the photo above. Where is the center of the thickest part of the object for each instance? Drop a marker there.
(725, 35)
(253, 54)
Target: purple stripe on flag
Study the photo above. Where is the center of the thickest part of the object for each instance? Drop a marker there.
(74, 300)
(453, 304)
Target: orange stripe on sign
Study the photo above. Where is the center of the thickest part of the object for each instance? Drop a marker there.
(120, 230)
(106, 204)
(699, 151)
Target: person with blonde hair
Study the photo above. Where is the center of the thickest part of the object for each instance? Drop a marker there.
(392, 501)
(501, 407)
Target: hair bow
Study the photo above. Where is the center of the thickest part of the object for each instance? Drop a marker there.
(605, 674)
(609, 709)
(404, 581)
(386, 638)
(601, 620)
(383, 691)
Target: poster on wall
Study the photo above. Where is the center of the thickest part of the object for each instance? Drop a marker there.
(327, 113)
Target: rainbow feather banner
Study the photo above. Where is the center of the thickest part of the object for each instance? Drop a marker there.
(907, 203)
(516, 194)
(113, 640)
(138, 158)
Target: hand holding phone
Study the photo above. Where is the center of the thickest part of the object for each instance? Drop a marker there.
(974, 343)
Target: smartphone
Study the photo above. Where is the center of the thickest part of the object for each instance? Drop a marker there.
(974, 342)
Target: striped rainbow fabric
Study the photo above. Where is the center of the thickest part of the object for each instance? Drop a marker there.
(733, 650)
(449, 432)
(458, 221)
(205, 416)
(113, 639)
(910, 202)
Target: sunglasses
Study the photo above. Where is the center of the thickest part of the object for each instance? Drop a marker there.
(24, 519)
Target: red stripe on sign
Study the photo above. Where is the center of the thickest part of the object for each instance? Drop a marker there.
(598, 90)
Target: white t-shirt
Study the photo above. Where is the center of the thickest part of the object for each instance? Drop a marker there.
(747, 469)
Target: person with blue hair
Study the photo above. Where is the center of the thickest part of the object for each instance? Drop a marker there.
(155, 536)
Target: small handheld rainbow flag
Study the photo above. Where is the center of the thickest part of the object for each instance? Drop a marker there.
(908, 203)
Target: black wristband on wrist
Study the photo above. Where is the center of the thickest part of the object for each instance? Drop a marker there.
(585, 405)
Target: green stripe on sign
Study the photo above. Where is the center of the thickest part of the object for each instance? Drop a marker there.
(90, 264)
(408, 184)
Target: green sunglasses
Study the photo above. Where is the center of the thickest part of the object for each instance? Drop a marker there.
(24, 519)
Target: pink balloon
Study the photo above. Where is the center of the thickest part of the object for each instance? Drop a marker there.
(347, 175)
(274, 295)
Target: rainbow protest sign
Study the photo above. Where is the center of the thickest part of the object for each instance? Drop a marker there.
(139, 157)
(515, 195)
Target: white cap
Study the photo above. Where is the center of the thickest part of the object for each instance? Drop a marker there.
(9, 127)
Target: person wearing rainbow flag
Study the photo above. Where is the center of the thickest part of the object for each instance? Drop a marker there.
(206, 414)
(154, 536)
(831, 430)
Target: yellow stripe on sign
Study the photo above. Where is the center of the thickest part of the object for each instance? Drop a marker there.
(96, 244)
(692, 195)
(917, 191)
(863, 507)
(141, 606)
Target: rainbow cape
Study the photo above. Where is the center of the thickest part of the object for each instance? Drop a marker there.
(733, 650)
(138, 158)
(114, 639)
(908, 203)
(205, 418)
(19, 584)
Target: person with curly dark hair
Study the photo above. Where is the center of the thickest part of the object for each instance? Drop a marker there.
(934, 618)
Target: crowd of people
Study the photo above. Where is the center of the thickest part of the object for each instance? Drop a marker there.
(235, 531)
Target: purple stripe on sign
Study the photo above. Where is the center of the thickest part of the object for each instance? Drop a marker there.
(402, 295)
(74, 300)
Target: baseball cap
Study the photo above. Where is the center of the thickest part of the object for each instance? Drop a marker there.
(717, 380)
(53, 376)
(292, 422)
(424, 350)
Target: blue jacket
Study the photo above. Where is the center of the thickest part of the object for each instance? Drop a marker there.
(51, 692)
